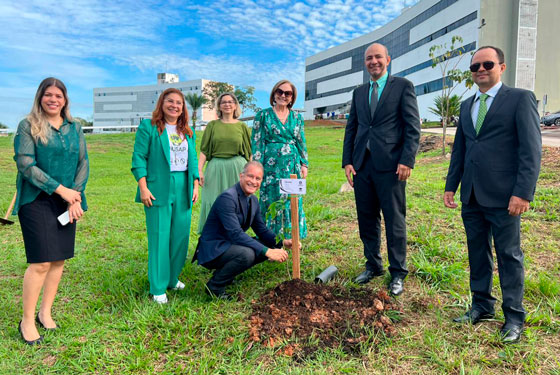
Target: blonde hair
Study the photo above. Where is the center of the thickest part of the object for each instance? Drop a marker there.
(40, 130)
(236, 112)
(278, 84)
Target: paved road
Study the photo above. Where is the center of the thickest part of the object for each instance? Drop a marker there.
(550, 134)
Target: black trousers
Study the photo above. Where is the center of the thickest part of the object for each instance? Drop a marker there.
(377, 192)
(481, 225)
(233, 262)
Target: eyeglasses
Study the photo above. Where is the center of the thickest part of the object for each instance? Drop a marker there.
(488, 65)
(227, 102)
(287, 94)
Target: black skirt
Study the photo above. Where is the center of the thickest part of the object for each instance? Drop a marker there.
(46, 240)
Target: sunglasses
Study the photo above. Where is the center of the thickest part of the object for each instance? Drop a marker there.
(488, 65)
(287, 94)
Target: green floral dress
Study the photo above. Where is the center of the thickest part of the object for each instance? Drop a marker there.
(282, 151)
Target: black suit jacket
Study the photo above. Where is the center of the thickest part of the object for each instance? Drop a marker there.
(504, 158)
(227, 223)
(393, 132)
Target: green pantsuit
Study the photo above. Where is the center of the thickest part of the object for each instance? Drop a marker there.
(168, 228)
(168, 220)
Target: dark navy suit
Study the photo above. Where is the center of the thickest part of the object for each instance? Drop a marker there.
(393, 134)
(224, 245)
(503, 160)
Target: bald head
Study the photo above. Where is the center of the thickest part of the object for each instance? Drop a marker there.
(376, 46)
(376, 60)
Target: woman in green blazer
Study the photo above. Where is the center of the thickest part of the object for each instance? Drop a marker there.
(165, 165)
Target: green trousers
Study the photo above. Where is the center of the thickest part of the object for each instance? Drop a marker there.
(168, 228)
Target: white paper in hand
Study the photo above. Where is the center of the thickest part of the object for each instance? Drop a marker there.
(64, 218)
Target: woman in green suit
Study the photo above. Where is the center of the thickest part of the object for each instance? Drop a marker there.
(165, 165)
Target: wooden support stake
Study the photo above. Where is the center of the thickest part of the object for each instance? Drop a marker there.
(294, 201)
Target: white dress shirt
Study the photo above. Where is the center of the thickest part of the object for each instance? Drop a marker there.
(489, 100)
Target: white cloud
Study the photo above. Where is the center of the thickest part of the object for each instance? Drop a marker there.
(265, 23)
(89, 43)
(240, 71)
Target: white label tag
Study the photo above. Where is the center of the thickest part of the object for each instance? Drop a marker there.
(64, 218)
(292, 186)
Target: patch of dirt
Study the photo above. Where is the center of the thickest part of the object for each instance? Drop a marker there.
(551, 157)
(432, 142)
(306, 317)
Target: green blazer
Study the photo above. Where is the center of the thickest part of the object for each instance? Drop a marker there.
(150, 159)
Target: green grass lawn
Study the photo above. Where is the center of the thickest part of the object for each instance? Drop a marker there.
(110, 326)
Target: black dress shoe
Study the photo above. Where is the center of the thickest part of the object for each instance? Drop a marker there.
(473, 316)
(366, 276)
(220, 295)
(42, 325)
(511, 333)
(396, 286)
(29, 342)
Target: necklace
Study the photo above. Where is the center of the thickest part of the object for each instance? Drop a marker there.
(282, 117)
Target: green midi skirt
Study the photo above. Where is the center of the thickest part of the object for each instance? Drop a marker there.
(220, 174)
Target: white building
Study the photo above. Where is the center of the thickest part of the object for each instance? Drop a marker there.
(125, 106)
(524, 29)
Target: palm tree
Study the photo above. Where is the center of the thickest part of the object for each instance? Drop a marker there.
(445, 108)
(195, 101)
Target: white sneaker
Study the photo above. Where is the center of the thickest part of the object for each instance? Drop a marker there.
(160, 298)
(179, 286)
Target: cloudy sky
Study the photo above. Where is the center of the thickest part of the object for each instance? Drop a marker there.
(92, 43)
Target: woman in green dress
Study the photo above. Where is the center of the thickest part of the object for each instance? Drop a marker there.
(278, 142)
(226, 146)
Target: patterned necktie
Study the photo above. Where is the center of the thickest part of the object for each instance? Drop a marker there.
(482, 109)
(373, 99)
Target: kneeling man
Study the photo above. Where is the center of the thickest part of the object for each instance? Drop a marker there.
(224, 246)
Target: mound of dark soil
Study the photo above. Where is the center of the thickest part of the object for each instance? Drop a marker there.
(431, 142)
(297, 313)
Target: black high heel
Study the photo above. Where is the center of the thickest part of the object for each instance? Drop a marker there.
(42, 325)
(32, 342)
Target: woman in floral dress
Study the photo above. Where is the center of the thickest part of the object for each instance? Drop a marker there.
(278, 142)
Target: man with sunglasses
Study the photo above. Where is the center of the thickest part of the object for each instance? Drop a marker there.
(380, 145)
(496, 159)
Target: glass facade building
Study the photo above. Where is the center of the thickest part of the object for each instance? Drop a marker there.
(332, 75)
(127, 106)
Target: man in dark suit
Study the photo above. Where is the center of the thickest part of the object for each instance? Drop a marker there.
(380, 145)
(496, 159)
(224, 246)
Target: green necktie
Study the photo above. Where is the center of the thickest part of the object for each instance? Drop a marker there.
(482, 109)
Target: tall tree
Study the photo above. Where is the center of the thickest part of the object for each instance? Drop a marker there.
(196, 102)
(448, 60)
(245, 94)
(2, 126)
